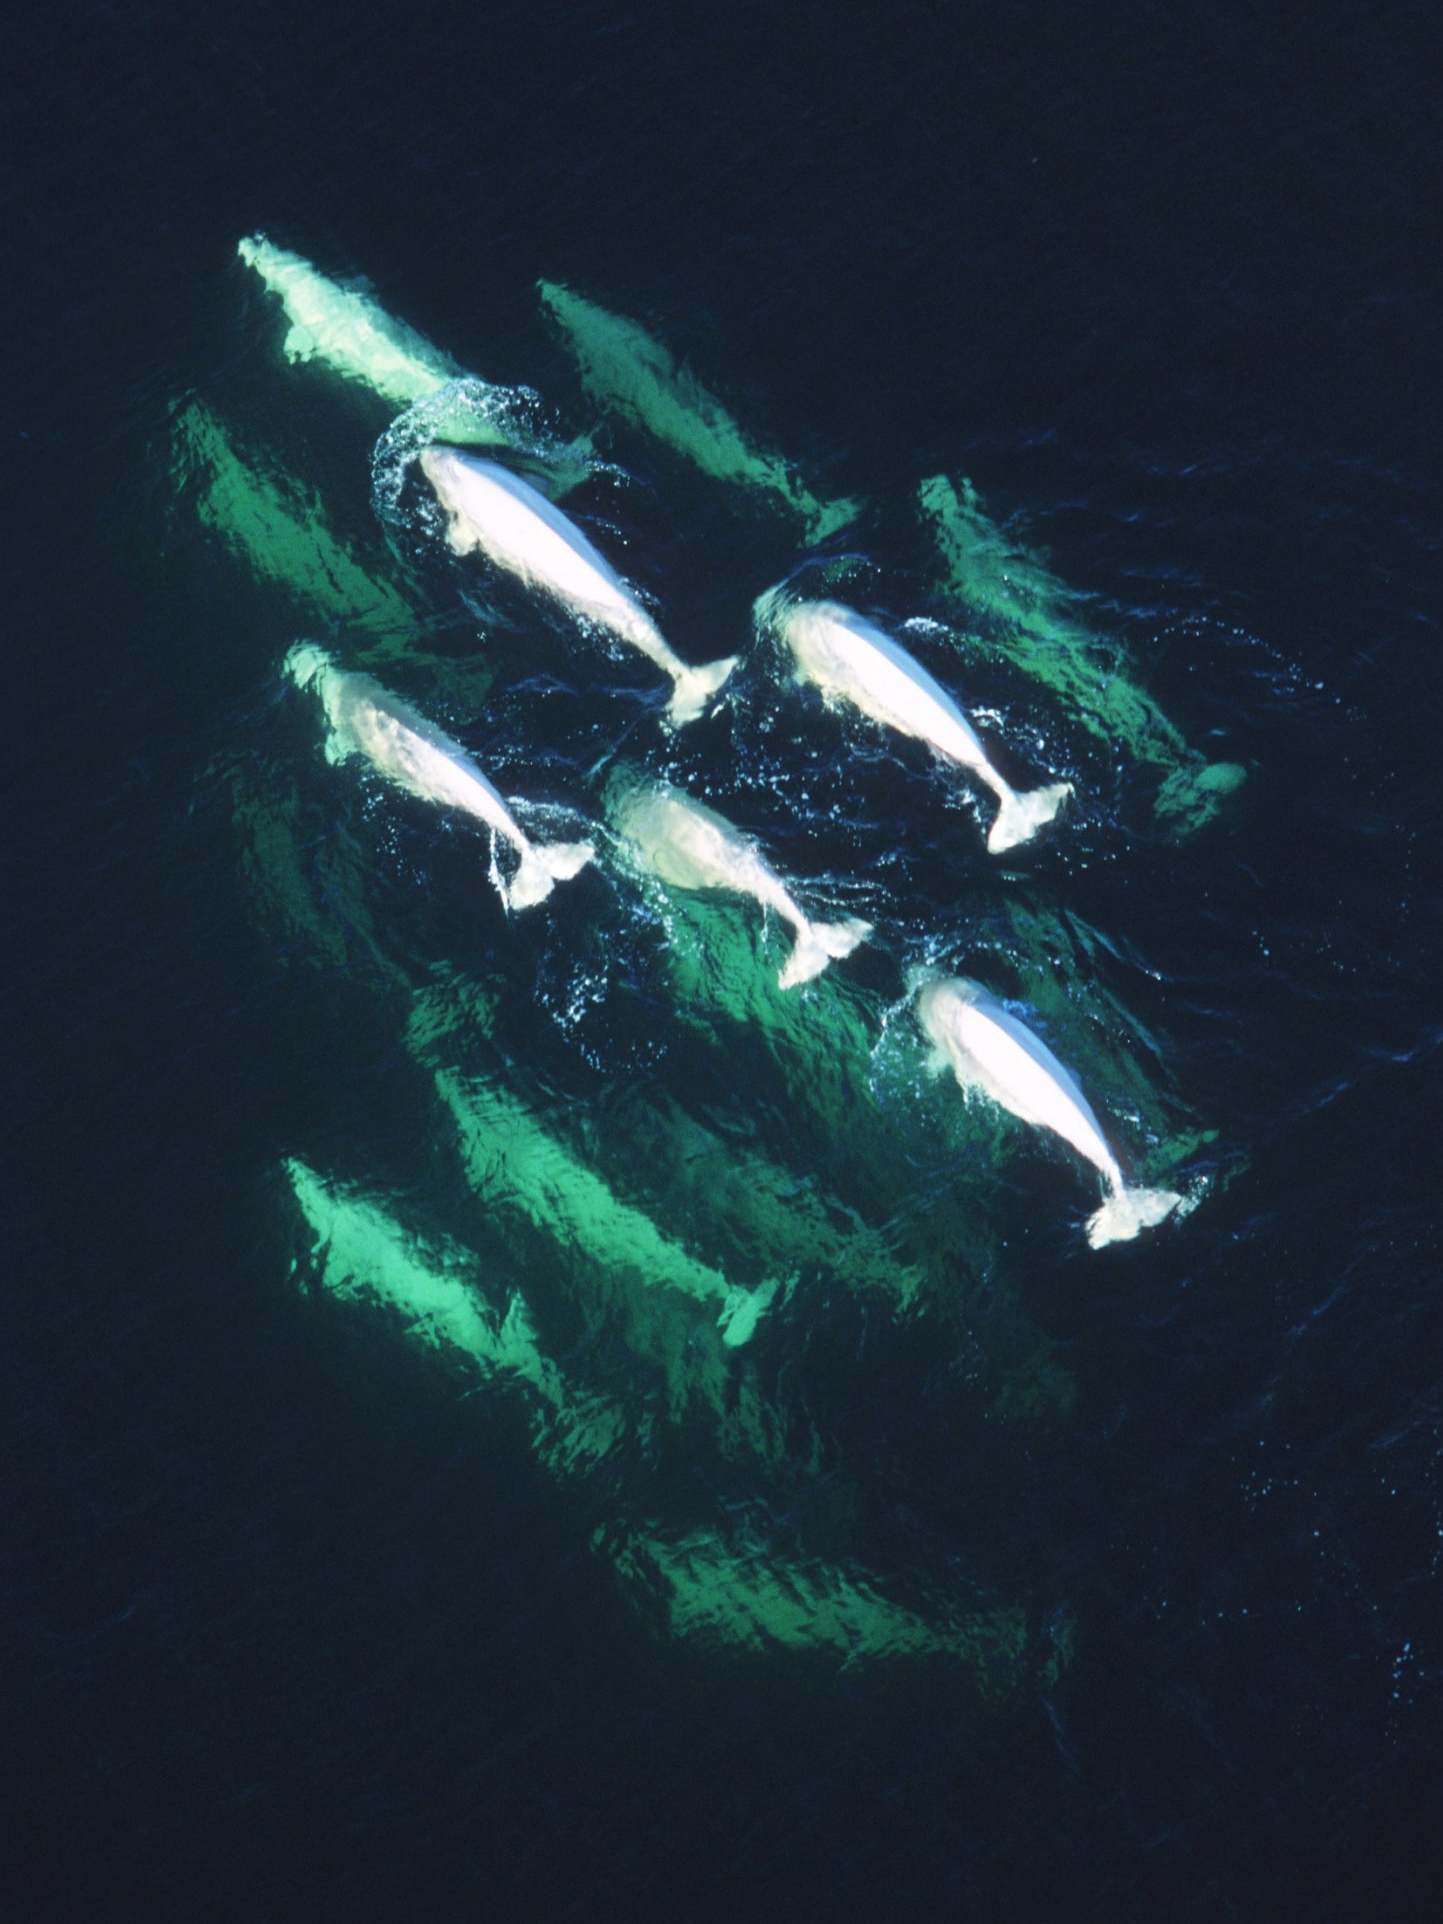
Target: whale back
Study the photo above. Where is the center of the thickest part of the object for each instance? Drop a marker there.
(366, 719)
(849, 664)
(490, 474)
(1046, 1108)
(683, 841)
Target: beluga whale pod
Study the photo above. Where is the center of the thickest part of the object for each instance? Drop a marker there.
(989, 1049)
(413, 754)
(495, 512)
(690, 846)
(854, 663)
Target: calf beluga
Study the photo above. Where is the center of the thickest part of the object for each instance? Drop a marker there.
(692, 847)
(851, 661)
(404, 747)
(987, 1048)
(503, 517)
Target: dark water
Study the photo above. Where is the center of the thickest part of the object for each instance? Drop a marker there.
(991, 1571)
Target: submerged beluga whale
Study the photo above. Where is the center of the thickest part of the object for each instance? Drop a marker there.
(408, 750)
(503, 517)
(692, 847)
(852, 661)
(347, 328)
(987, 1048)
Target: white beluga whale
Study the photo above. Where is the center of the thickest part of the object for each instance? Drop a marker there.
(347, 328)
(989, 1049)
(503, 517)
(690, 846)
(408, 750)
(852, 661)
(341, 325)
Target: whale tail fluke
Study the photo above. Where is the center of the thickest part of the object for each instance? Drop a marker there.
(1126, 1211)
(1192, 795)
(820, 943)
(742, 1311)
(542, 867)
(1020, 816)
(695, 687)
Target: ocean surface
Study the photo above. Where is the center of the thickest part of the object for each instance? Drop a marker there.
(515, 1414)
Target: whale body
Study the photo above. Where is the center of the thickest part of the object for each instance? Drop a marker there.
(340, 324)
(408, 750)
(516, 527)
(1030, 622)
(692, 847)
(638, 379)
(346, 328)
(987, 1048)
(852, 661)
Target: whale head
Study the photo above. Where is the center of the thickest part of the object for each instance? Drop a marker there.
(625, 781)
(304, 662)
(937, 993)
(771, 608)
(438, 464)
(919, 975)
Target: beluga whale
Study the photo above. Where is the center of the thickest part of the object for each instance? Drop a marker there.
(987, 1048)
(690, 846)
(495, 512)
(409, 751)
(344, 326)
(854, 663)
